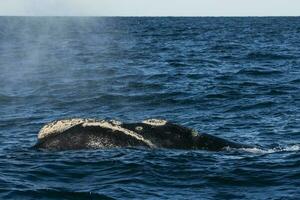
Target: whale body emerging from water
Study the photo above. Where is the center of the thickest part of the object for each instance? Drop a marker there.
(75, 134)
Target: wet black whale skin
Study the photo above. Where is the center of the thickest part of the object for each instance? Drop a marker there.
(169, 135)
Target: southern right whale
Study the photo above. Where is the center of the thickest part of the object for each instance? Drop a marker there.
(73, 134)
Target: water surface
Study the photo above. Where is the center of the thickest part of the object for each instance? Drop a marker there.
(237, 78)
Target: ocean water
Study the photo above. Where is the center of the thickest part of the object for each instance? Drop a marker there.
(236, 78)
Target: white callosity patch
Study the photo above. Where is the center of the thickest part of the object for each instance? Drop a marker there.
(60, 126)
(115, 122)
(194, 133)
(114, 127)
(155, 122)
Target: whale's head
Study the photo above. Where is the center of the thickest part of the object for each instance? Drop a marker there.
(73, 134)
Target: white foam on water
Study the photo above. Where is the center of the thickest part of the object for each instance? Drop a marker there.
(256, 150)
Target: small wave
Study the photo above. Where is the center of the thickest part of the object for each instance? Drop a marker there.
(176, 63)
(260, 105)
(225, 77)
(296, 81)
(224, 95)
(4, 98)
(268, 56)
(276, 92)
(225, 47)
(9, 98)
(258, 72)
(195, 76)
(257, 150)
(249, 84)
(54, 193)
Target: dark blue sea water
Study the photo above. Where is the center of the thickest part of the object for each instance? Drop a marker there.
(237, 78)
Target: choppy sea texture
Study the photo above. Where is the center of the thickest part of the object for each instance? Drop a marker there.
(237, 78)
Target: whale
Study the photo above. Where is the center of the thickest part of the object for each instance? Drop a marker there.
(85, 133)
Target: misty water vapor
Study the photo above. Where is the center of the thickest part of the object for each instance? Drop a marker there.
(32, 48)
